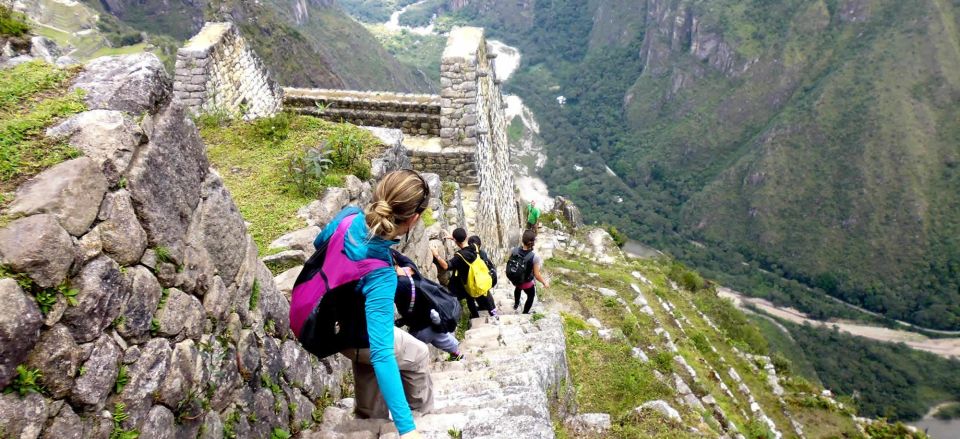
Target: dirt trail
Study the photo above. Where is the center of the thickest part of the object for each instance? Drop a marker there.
(945, 347)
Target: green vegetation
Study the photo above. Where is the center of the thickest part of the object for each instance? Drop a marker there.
(420, 15)
(33, 96)
(119, 416)
(890, 380)
(759, 166)
(123, 378)
(515, 130)
(27, 381)
(253, 159)
(422, 52)
(950, 411)
(255, 294)
(279, 433)
(448, 190)
(12, 24)
(373, 11)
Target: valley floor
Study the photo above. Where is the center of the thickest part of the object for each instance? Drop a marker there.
(945, 347)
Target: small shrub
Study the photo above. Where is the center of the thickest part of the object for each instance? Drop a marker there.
(618, 237)
(12, 24)
(273, 129)
(454, 433)
(119, 415)
(756, 429)
(536, 316)
(428, 219)
(27, 381)
(214, 118)
(347, 144)
(447, 192)
(700, 342)
(781, 364)
(306, 169)
(663, 362)
(279, 433)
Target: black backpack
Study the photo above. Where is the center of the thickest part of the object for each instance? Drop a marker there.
(520, 266)
(426, 295)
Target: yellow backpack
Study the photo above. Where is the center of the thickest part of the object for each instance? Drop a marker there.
(478, 278)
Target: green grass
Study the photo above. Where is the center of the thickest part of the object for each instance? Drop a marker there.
(124, 50)
(33, 96)
(515, 130)
(253, 157)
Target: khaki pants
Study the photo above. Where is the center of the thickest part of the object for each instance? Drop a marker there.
(413, 358)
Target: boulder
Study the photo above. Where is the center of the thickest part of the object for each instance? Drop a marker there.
(122, 237)
(184, 375)
(248, 354)
(65, 425)
(71, 191)
(320, 212)
(434, 183)
(606, 292)
(44, 48)
(165, 179)
(99, 374)
(639, 354)
(217, 301)
(22, 417)
(101, 291)
(286, 257)
(20, 322)
(354, 186)
(394, 157)
(159, 424)
(589, 424)
(566, 209)
(39, 247)
(212, 426)
(145, 377)
(57, 357)
(138, 310)
(662, 407)
(285, 281)
(182, 316)
(296, 363)
(108, 137)
(133, 83)
(298, 240)
(89, 246)
(222, 230)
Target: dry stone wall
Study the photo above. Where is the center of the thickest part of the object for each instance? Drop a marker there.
(413, 114)
(217, 71)
(471, 117)
(135, 290)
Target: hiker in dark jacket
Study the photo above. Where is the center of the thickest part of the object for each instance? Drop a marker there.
(422, 320)
(528, 283)
(459, 265)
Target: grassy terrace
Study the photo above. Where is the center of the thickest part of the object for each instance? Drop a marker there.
(33, 96)
(277, 165)
(608, 379)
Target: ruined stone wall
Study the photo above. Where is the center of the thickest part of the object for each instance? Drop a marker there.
(132, 286)
(414, 114)
(471, 117)
(217, 71)
(452, 164)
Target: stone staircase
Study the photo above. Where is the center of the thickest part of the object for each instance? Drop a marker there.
(503, 388)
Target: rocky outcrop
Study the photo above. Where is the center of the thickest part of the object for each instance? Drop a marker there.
(153, 294)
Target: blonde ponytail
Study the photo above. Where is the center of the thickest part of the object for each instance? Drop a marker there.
(399, 196)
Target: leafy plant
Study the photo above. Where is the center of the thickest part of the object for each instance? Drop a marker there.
(454, 433)
(46, 299)
(230, 425)
(347, 144)
(163, 254)
(306, 169)
(536, 317)
(427, 216)
(255, 294)
(123, 378)
(447, 192)
(273, 129)
(27, 381)
(119, 415)
(279, 433)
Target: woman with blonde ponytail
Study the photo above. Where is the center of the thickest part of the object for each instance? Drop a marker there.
(354, 251)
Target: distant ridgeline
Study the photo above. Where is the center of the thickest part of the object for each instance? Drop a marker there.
(460, 134)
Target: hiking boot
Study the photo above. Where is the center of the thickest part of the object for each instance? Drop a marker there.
(456, 357)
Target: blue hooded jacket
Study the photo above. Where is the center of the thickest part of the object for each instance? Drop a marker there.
(379, 288)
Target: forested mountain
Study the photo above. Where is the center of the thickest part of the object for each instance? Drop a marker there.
(786, 147)
(309, 43)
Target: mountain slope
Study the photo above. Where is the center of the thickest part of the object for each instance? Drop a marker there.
(305, 43)
(816, 140)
